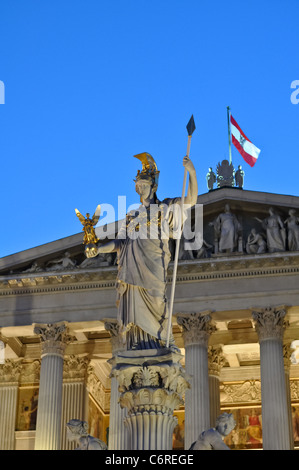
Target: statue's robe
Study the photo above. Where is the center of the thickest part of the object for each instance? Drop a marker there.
(143, 259)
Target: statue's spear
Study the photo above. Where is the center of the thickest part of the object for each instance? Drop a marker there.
(190, 129)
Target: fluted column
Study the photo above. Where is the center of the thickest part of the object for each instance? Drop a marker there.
(118, 435)
(196, 329)
(9, 381)
(216, 361)
(270, 325)
(73, 395)
(287, 352)
(48, 424)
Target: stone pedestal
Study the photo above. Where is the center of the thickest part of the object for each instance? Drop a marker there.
(48, 423)
(216, 361)
(118, 435)
(270, 327)
(152, 384)
(196, 328)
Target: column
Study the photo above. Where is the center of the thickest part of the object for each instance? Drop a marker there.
(73, 395)
(118, 435)
(216, 361)
(270, 326)
(48, 424)
(287, 352)
(9, 383)
(196, 329)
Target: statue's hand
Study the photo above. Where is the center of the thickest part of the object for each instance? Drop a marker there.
(91, 252)
(188, 164)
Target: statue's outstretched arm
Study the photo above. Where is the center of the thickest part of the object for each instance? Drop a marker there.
(192, 193)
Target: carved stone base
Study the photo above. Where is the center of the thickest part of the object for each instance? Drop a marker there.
(152, 384)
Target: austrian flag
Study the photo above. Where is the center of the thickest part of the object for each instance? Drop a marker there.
(246, 148)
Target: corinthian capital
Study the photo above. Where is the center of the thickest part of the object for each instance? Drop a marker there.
(196, 327)
(117, 339)
(270, 323)
(53, 337)
(216, 360)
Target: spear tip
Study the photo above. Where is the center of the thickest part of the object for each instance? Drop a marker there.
(191, 126)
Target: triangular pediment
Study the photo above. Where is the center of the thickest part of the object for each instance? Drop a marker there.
(68, 253)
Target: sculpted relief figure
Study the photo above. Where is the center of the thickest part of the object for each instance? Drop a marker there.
(275, 231)
(255, 243)
(65, 262)
(77, 431)
(212, 439)
(227, 230)
(292, 224)
(143, 256)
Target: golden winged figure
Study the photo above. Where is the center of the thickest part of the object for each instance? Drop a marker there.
(90, 239)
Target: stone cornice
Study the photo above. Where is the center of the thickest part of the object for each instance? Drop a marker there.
(214, 268)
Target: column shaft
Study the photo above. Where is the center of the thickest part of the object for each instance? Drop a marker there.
(48, 423)
(274, 400)
(197, 400)
(196, 328)
(8, 407)
(270, 327)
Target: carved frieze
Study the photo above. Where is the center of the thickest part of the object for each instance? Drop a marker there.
(236, 393)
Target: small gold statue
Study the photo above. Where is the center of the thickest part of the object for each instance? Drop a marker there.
(90, 239)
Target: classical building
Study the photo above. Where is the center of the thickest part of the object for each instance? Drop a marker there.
(235, 319)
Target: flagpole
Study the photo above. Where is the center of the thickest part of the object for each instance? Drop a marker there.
(229, 135)
(190, 129)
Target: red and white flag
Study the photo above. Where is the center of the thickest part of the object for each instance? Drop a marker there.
(246, 148)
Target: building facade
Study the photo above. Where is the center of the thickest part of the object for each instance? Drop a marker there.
(236, 314)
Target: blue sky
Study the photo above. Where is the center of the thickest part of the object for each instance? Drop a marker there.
(89, 84)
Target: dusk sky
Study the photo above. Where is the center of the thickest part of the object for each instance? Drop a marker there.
(88, 84)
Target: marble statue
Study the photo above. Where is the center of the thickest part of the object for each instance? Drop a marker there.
(255, 243)
(239, 177)
(292, 224)
(275, 231)
(227, 231)
(143, 260)
(211, 179)
(212, 439)
(77, 431)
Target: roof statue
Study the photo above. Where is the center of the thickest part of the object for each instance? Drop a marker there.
(226, 176)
